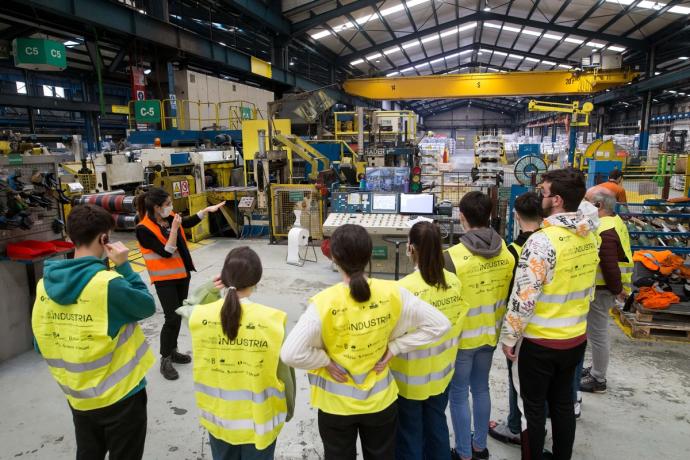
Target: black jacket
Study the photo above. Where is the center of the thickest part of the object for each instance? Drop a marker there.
(150, 241)
(520, 241)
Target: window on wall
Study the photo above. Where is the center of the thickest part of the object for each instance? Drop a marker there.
(54, 91)
(21, 87)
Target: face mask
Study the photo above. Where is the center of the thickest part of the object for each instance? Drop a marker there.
(589, 210)
(166, 211)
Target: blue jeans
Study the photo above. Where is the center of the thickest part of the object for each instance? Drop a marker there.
(423, 429)
(221, 450)
(472, 369)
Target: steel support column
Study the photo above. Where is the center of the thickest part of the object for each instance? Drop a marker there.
(647, 105)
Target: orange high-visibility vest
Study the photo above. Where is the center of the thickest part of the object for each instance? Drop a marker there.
(162, 268)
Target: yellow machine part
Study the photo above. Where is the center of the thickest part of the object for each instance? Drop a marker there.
(180, 189)
(223, 172)
(304, 151)
(196, 203)
(471, 85)
(250, 139)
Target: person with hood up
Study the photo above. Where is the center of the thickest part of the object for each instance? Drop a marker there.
(85, 326)
(484, 267)
(544, 332)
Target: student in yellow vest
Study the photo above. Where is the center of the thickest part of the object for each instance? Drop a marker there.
(245, 394)
(84, 322)
(528, 219)
(169, 263)
(613, 284)
(544, 332)
(346, 338)
(423, 375)
(484, 266)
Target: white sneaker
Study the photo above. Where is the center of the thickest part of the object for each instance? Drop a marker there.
(579, 397)
(578, 410)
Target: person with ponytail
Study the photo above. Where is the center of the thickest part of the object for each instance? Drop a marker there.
(244, 393)
(168, 261)
(423, 375)
(346, 339)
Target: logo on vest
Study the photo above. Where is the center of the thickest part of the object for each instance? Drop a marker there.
(493, 264)
(446, 301)
(373, 322)
(243, 342)
(64, 316)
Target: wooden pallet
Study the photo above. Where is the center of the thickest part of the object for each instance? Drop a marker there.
(663, 330)
(675, 313)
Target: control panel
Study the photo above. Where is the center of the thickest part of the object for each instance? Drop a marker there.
(351, 202)
(375, 224)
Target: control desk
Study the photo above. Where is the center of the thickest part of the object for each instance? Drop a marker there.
(375, 224)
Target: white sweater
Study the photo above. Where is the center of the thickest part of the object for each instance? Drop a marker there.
(419, 324)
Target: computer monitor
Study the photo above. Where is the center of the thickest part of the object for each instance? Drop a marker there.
(418, 203)
(384, 203)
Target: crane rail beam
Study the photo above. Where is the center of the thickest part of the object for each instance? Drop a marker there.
(478, 85)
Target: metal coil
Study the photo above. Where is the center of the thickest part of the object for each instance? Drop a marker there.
(111, 203)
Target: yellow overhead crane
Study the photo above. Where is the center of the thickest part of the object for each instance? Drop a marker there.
(571, 108)
(472, 85)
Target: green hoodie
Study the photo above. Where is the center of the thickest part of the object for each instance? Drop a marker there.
(129, 299)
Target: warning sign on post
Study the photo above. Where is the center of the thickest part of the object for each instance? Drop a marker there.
(176, 190)
(185, 188)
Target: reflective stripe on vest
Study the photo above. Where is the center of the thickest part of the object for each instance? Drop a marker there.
(93, 369)
(356, 335)
(162, 268)
(237, 389)
(246, 424)
(427, 370)
(626, 268)
(485, 284)
(561, 310)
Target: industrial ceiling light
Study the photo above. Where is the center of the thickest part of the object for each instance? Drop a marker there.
(147, 71)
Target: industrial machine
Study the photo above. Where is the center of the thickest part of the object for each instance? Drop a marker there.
(674, 141)
(600, 150)
(489, 155)
(579, 116)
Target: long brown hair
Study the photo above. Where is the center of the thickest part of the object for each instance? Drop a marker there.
(351, 249)
(425, 238)
(147, 202)
(242, 269)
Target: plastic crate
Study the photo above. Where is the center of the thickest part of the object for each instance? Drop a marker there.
(30, 249)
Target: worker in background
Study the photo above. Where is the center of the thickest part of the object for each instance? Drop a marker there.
(164, 247)
(85, 324)
(615, 185)
(346, 338)
(423, 375)
(614, 276)
(544, 332)
(234, 336)
(484, 267)
(528, 217)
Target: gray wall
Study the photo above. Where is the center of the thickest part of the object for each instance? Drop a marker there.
(468, 117)
(15, 311)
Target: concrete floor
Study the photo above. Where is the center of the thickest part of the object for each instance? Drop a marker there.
(645, 412)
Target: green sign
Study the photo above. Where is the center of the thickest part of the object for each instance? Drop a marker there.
(295, 197)
(148, 111)
(39, 54)
(247, 113)
(379, 252)
(15, 159)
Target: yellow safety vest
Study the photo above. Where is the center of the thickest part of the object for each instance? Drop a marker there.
(615, 222)
(93, 369)
(485, 284)
(238, 392)
(427, 371)
(561, 310)
(356, 336)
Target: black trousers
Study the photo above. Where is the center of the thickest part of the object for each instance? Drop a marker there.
(171, 294)
(376, 431)
(119, 429)
(546, 375)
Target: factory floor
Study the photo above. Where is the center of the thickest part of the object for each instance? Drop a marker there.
(644, 414)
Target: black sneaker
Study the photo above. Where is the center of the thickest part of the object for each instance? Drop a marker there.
(590, 384)
(179, 358)
(480, 455)
(547, 455)
(168, 370)
(454, 455)
(586, 371)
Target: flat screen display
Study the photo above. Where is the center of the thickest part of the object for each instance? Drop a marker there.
(384, 202)
(421, 203)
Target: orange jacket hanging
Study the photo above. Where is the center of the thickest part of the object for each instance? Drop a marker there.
(162, 268)
(664, 262)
